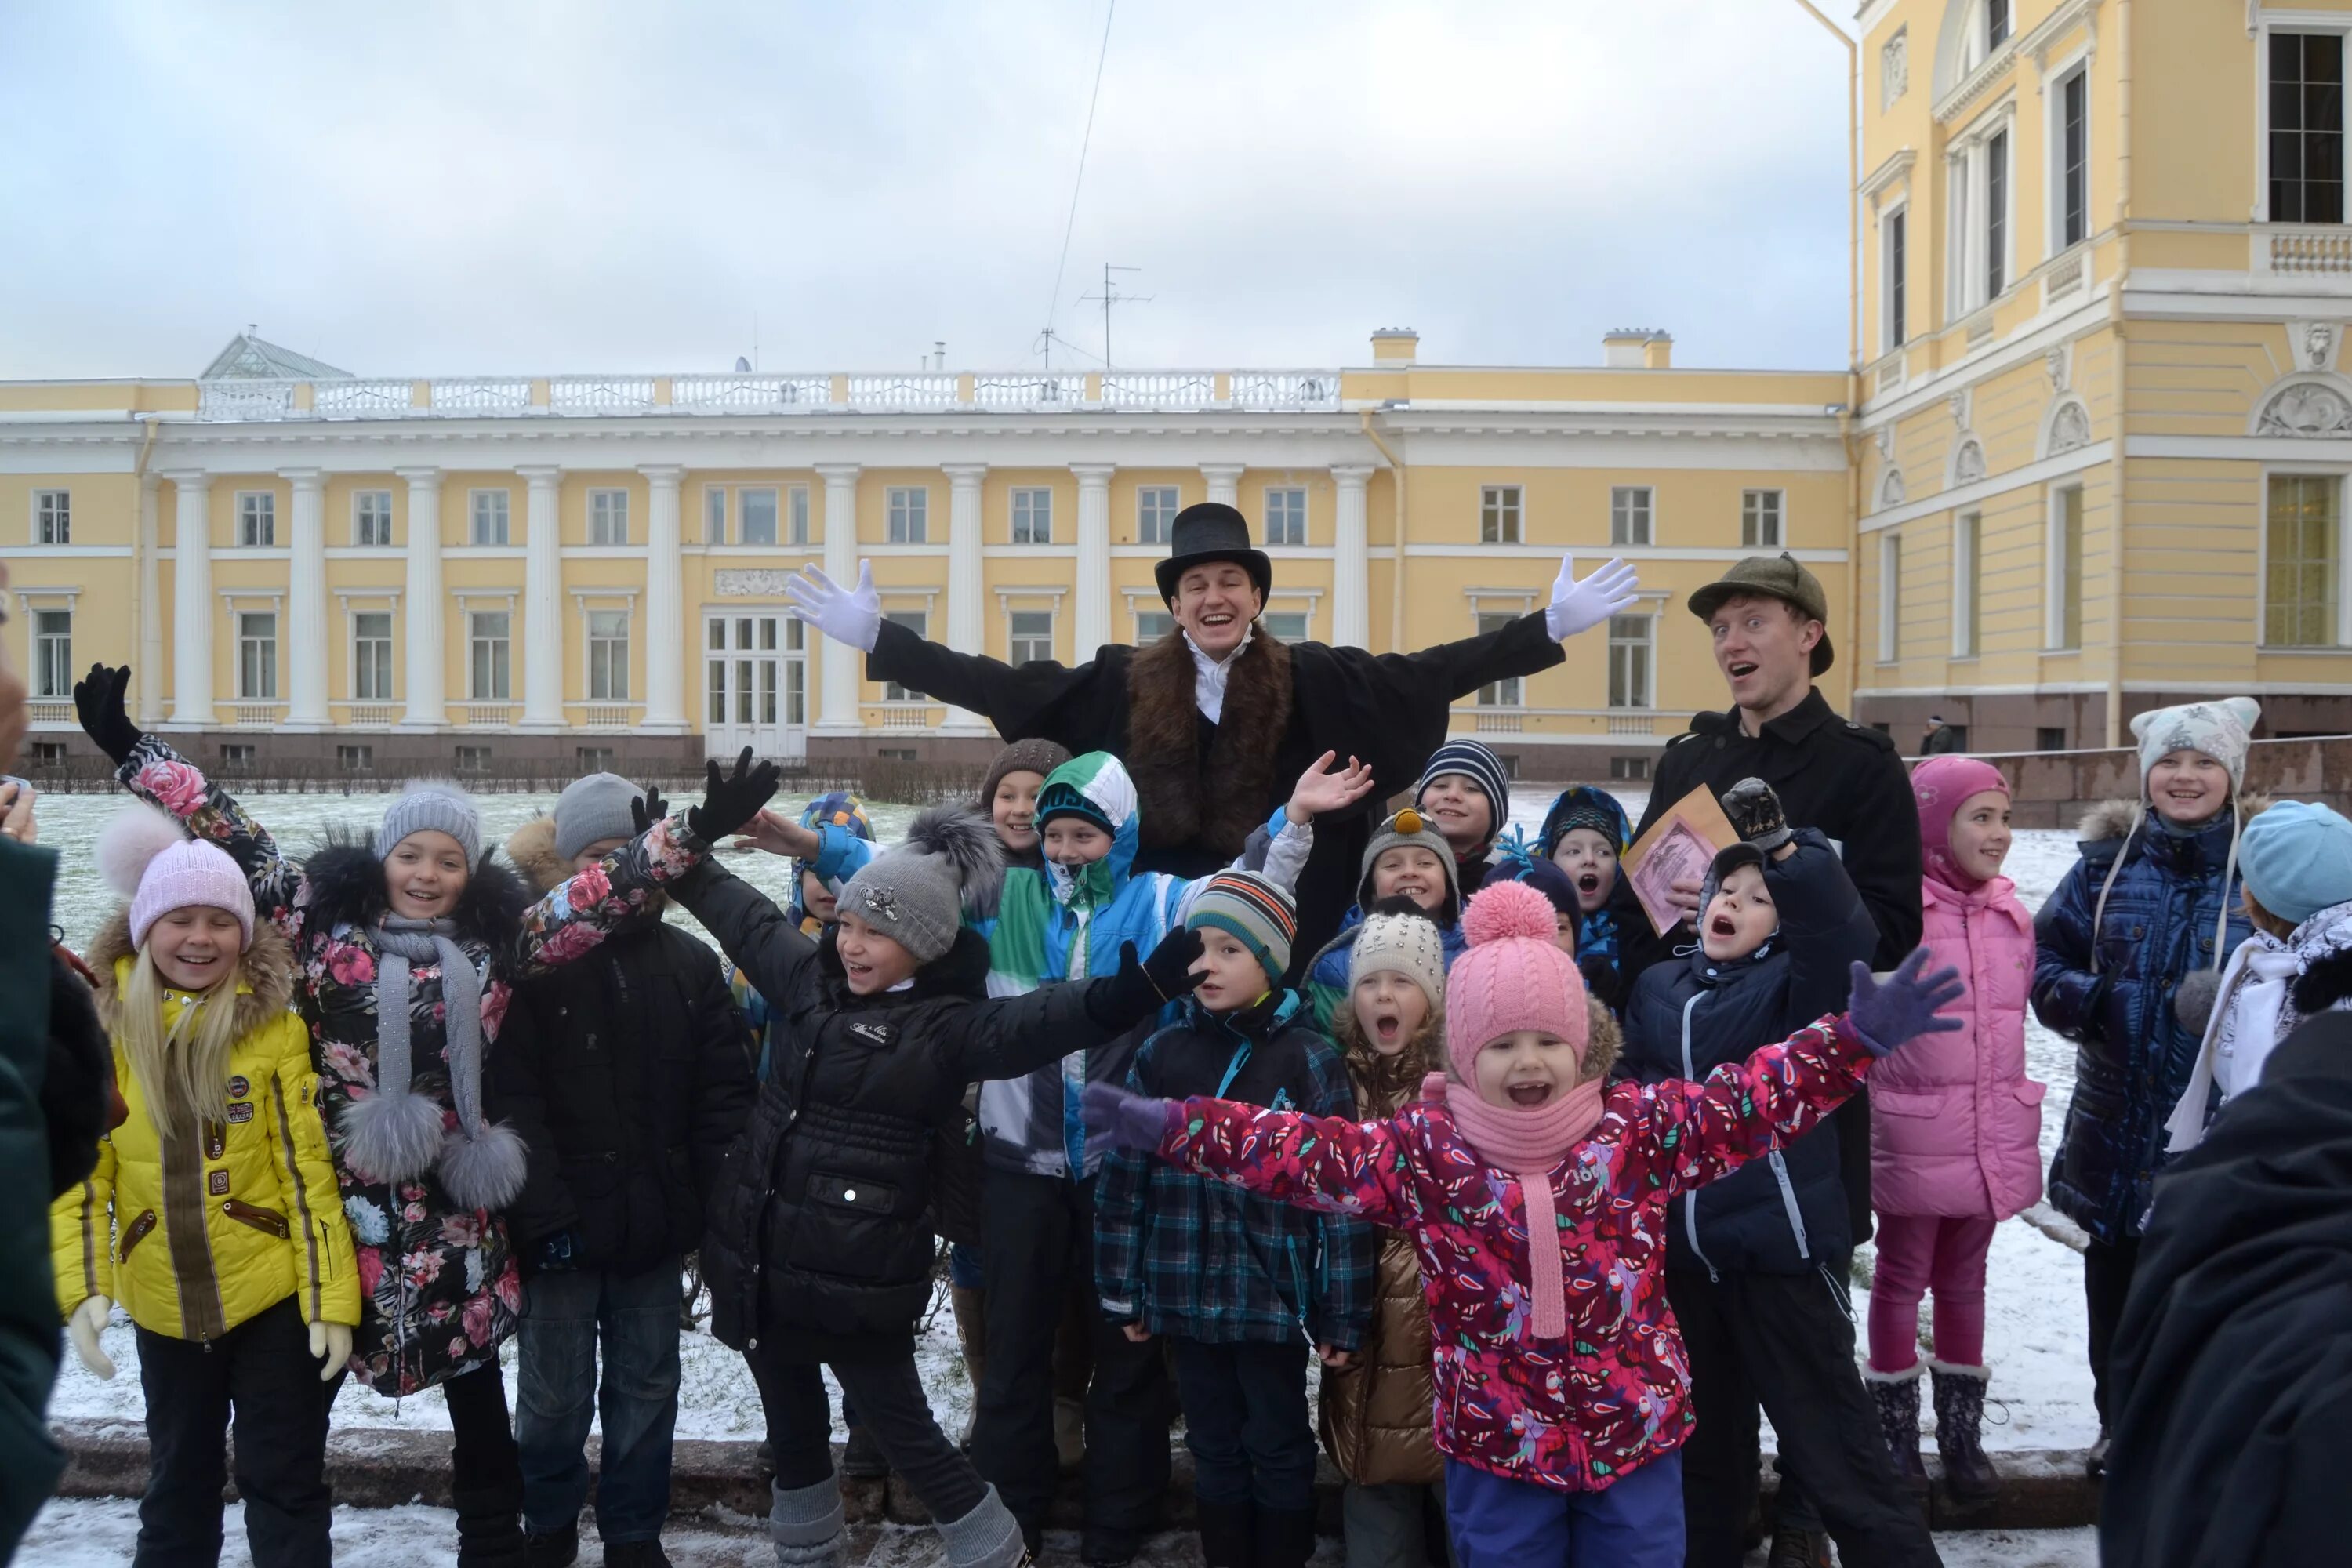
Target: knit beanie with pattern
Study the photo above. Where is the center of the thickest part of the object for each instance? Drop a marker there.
(1408, 945)
(1034, 755)
(2222, 730)
(437, 805)
(915, 894)
(1482, 767)
(591, 809)
(149, 859)
(1513, 977)
(1254, 912)
(1408, 827)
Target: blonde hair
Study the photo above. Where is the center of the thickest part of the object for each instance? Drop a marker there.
(185, 1069)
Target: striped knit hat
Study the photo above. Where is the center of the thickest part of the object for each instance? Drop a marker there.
(1256, 912)
(1482, 767)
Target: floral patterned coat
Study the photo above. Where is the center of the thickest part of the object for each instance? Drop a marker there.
(439, 1289)
(1574, 1414)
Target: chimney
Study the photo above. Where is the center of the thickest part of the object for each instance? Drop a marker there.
(1636, 348)
(1658, 354)
(1395, 346)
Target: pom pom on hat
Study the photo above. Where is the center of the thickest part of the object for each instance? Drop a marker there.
(1508, 910)
(147, 858)
(131, 838)
(1513, 977)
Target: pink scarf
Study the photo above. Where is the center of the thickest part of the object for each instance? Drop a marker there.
(1529, 1144)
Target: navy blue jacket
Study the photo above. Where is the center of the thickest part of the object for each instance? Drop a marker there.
(2132, 1054)
(1786, 1213)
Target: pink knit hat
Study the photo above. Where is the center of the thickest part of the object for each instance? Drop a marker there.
(147, 858)
(1938, 785)
(1513, 977)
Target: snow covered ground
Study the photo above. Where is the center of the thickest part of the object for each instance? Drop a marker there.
(2034, 1333)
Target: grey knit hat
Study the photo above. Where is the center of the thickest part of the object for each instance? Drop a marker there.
(432, 804)
(593, 808)
(1034, 755)
(1408, 826)
(916, 892)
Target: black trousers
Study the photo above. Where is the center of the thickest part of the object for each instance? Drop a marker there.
(260, 1379)
(1039, 1244)
(1246, 1422)
(2108, 1270)
(1784, 1342)
(891, 1408)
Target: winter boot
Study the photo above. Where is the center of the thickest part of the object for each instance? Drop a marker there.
(551, 1548)
(1793, 1547)
(987, 1537)
(861, 1456)
(489, 1525)
(1284, 1536)
(969, 1305)
(1228, 1532)
(1969, 1476)
(1897, 1394)
(806, 1525)
(636, 1554)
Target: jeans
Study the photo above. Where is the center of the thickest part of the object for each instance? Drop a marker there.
(1637, 1522)
(567, 1316)
(1917, 1253)
(1246, 1421)
(2108, 1270)
(890, 1405)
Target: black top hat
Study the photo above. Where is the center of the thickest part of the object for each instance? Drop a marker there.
(1211, 531)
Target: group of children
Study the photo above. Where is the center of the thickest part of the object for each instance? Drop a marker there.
(379, 1131)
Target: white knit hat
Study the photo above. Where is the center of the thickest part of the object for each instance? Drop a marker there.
(1409, 944)
(2223, 731)
(149, 859)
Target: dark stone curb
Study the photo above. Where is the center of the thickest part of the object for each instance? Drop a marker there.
(386, 1467)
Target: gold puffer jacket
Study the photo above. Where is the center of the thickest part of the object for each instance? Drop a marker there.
(196, 1236)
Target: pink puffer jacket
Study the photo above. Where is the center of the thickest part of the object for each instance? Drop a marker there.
(1954, 1124)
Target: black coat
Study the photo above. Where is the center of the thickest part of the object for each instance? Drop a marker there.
(2232, 1373)
(1787, 1213)
(1390, 709)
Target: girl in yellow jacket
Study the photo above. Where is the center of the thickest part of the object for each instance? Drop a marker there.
(212, 1216)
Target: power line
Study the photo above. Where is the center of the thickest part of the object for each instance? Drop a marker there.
(1070, 225)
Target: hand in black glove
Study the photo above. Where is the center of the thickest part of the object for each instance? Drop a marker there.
(1142, 986)
(1756, 814)
(644, 812)
(98, 702)
(730, 800)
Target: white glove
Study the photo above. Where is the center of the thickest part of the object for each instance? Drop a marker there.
(332, 1344)
(1580, 607)
(83, 1327)
(852, 615)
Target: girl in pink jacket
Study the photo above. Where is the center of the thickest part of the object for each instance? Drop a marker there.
(1956, 1129)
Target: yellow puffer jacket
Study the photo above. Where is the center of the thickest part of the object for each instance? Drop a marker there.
(196, 1237)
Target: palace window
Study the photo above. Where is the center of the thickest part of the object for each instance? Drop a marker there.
(2306, 128)
(473, 759)
(1285, 517)
(608, 656)
(1632, 644)
(1760, 520)
(372, 656)
(257, 517)
(1032, 518)
(2064, 630)
(52, 517)
(1155, 508)
(1506, 693)
(608, 517)
(1890, 597)
(2072, 144)
(488, 650)
(1031, 636)
(2300, 559)
(910, 513)
(53, 666)
(355, 759)
(755, 514)
(1967, 533)
(371, 518)
(1628, 514)
(1629, 770)
(1895, 237)
(797, 515)
(714, 515)
(490, 519)
(1287, 626)
(1996, 234)
(257, 656)
(1498, 514)
(592, 758)
(919, 623)
(1150, 625)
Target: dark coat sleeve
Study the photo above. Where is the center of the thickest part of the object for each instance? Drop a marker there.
(1010, 1035)
(1881, 854)
(2067, 996)
(1083, 709)
(1823, 924)
(517, 1085)
(722, 1098)
(29, 1458)
(759, 939)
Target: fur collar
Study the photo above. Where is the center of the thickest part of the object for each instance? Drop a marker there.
(2108, 820)
(267, 971)
(1385, 1085)
(531, 848)
(1216, 800)
(345, 884)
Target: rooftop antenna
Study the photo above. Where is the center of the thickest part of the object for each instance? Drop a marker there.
(940, 348)
(1111, 296)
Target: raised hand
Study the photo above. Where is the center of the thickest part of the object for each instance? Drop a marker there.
(780, 835)
(1122, 1120)
(1886, 1014)
(1755, 813)
(852, 615)
(1320, 791)
(1143, 985)
(644, 813)
(1580, 607)
(730, 800)
(98, 702)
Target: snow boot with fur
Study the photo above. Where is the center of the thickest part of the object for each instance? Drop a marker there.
(1968, 1475)
(1897, 1396)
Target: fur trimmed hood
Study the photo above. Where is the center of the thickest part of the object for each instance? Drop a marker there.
(2106, 820)
(265, 973)
(345, 878)
(531, 848)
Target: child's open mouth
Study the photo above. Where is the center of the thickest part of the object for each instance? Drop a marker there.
(1588, 883)
(1529, 1094)
(1387, 1028)
(1722, 926)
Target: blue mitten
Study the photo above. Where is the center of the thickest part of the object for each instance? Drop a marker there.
(1886, 1015)
(1126, 1120)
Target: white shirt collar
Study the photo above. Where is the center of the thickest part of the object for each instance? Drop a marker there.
(1209, 676)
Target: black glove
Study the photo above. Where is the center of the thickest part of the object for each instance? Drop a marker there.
(1142, 986)
(730, 800)
(98, 702)
(1756, 814)
(644, 812)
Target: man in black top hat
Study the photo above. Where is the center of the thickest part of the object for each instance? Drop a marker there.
(1217, 719)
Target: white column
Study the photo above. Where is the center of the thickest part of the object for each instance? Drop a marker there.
(192, 601)
(306, 603)
(150, 673)
(965, 573)
(1351, 578)
(427, 709)
(840, 668)
(1092, 628)
(542, 599)
(1225, 481)
(665, 603)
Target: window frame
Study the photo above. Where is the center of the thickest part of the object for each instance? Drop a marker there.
(478, 510)
(2060, 587)
(361, 511)
(1890, 596)
(1968, 585)
(1751, 509)
(52, 653)
(1999, 199)
(608, 674)
(1014, 638)
(793, 525)
(773, 501)
(1502, 514)
(714, 518)
(248, 641)
(1968, 238)
(252, 507)
(1021, 506)
(1624, 503)
(2304, 25)
(919, 623)
(608, 499)
(1143, 637)
(2340, 631)
(2073, 72)
(1511, 691)
(1305, 619)
(388, 664)
(1646, 642)
(1156, 506)
(1895, 276)
(500, 651)
(1294, 512)
(52, 519)
(907, 514)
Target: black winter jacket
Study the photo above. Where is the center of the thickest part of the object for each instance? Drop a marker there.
(628, 1074)
(1787, 1213)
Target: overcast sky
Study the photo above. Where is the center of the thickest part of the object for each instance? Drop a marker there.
(447, 188)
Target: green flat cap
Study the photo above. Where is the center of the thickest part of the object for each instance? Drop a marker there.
(1778, 577)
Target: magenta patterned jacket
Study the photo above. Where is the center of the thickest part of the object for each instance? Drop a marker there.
(1572, 1414)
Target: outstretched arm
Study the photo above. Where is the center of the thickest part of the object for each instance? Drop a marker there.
(1322, 1162)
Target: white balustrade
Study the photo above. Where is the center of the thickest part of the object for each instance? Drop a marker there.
(923, 390)
(363, 399)
(245, 400)
(1163, 389)
(600, 393)
(2320, 249)
(483, 394)
(1030, 391)
(750, 393)
(1306, 390)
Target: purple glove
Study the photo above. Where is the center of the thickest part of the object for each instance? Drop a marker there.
(1905, 1005)
(1125, 1121)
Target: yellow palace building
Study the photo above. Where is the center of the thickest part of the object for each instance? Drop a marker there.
(2094, 461)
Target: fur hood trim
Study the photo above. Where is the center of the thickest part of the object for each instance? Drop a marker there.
(344, 880)
(1184, 798)
(531, 848)
(266, 969)
(2107, 820)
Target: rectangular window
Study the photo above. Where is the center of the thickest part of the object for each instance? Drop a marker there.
(237, 753)
(1629, 770)
(257, 517)
(755, 515)
(592, 758)
(2299, 564)
(714, 515)
(2074, 166)
(52, 517)
(473, 759)
(1760, 520)
(911, 514)
(2050, 738)
(608, 656)
(371, 518)
(1155, 508)
(2306, 128)
(1506, 693)
(1958, 287)
(917, 622)
(1287, 626)
(257, 656)
(1498, 514)
(2065, 628)
(53, 666)
(1632, 644)
(1890, 597)
(1285, 517)
(1150, 625)
(372, 656)
(1996, 24)
(797, 518)
(355, 759)
(1898, 262)
(1996, 266)
(488, 649)
(1628, 514)
(1031, 637)
(490, 509)
(1032, 518)
(608, 517)
(1967, 574)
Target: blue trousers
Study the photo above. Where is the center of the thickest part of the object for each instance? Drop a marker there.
(1500, 1524)
(566, 1317)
